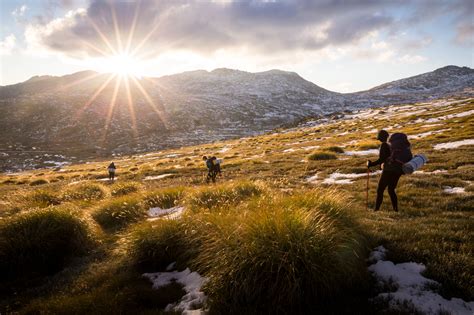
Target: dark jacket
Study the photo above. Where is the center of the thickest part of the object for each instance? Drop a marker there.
(384, 154)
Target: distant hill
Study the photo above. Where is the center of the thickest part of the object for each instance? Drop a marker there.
(55, 115)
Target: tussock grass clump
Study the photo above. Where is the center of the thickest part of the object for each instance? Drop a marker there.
(334, 149)
(164, 198)
(86, 191)
(281, 255)
(41, 242)
(367, 145)
(321, 155)
(37, 182)
(124, 188)
(120, 212)
(44, 198)
(223, 195)
(153, 246)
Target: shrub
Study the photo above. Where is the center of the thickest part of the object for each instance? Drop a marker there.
(124, 188)
(280, 256)
(44, 198)
(223, 195)
(119, 212)
(164, 198)
(86, 191)
(41, 242)
(321, 155)
(38, 182)
(334, 149)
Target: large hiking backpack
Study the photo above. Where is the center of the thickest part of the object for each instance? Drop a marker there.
(400, 149)
(210, 164)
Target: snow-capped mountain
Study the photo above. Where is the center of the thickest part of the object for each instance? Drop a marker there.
(85, 114)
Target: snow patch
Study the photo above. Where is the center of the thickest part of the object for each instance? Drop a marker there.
(433, 172)
(158, 177)
(171, 213)
(192, 283)
(454, 190)
(345, 179)
(413, 287)
(364, 152)
(453, 145)
(428, 133)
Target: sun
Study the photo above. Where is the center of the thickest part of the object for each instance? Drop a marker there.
(122, 65)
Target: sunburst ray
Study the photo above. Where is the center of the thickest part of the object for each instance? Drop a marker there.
(112, 104)
(94, 96)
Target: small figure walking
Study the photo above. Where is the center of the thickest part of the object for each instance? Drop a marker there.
(111, 170)
(211, 169)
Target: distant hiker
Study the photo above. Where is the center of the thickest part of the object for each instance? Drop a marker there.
(111, 170)
(392, 156)
(211, 169)
(217, 165)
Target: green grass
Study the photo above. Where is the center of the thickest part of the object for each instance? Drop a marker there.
(42, 242)
(85, 191)
(38, 182)
(277, 256)
(321, 155)
(43, 198)
(164, 198)
(120, 212)
(257, 219)
(223, 195)
(124, 188)
(334, 149)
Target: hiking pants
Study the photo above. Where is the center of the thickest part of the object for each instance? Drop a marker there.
(388, 179)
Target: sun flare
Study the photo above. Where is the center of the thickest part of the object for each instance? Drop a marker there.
(122, 65)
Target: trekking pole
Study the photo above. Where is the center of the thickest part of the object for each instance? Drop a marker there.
(367, 190)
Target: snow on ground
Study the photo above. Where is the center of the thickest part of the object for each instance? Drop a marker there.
(457, 115)
(453, 145)
(106, 179)
(171, 213)
(311, 147)
(312, 179)
(428, 133)
(157, 177)
(372, 131)
(454, 190)
(363, 152)
(192, 283)
(412, 287)
(224, 149)
(433, 172)
(344, 179)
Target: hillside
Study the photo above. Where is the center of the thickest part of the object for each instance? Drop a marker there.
(285, 200)
(77, 117)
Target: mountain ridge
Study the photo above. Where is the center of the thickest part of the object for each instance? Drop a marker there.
(79, 115)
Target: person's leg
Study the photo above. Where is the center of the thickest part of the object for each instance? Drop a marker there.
(392, 185)
(383, 183)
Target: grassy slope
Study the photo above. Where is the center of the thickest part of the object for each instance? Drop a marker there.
(432, 227)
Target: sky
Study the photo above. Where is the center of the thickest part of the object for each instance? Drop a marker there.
(343, 46)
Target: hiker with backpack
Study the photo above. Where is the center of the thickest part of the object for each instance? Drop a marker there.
(211, 168)
(392, 156)
(111, 168)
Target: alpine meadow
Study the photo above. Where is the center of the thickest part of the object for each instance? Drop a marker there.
(142, 173)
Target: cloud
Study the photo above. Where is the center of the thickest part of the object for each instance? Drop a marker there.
(20, 11)
(209, 27)
(7, 45)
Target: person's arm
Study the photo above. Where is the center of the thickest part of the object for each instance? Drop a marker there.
(384, 154)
